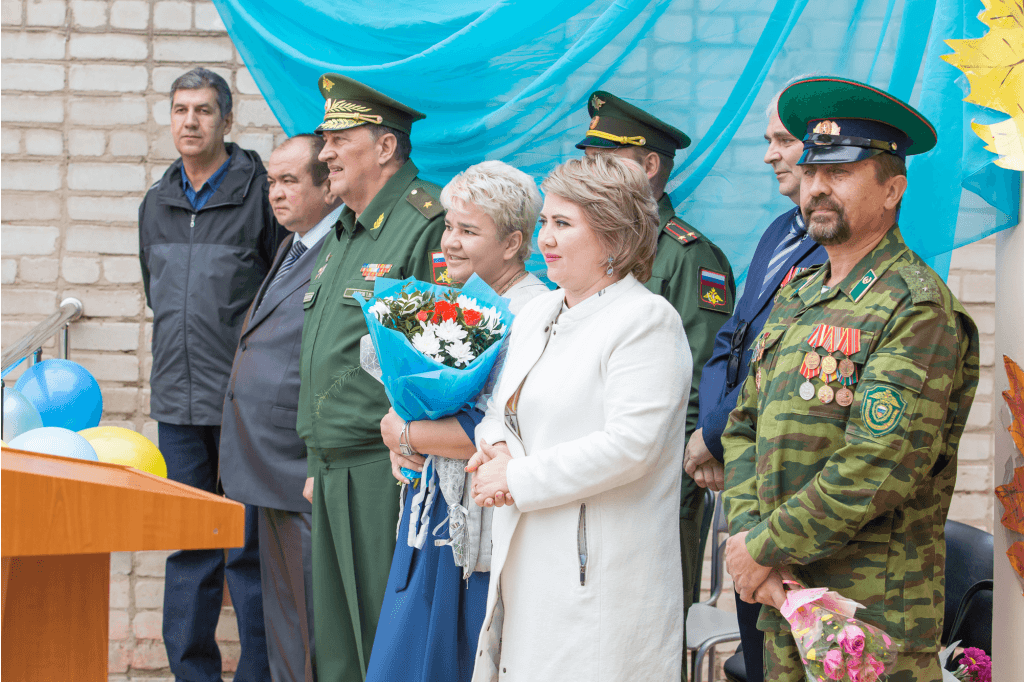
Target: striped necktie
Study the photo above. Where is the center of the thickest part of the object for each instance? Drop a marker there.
(784, 250)
(298, 248)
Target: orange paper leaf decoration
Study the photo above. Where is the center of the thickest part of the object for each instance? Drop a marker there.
(1014, 397)
(1012, 493)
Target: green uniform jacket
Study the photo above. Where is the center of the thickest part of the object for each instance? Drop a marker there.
(340, 405)
(855, 498)
(682, 254)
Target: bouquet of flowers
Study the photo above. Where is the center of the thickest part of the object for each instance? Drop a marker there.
(433, 348)
(833, 644)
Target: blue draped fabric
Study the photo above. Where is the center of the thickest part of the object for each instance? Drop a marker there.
(508, 80)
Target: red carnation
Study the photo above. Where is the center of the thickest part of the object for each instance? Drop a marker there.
(422, 315)
(472, 317)
(445, 311)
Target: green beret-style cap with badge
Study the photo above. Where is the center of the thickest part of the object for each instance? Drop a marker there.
(617, 123)
(349, 103)
(843, 121)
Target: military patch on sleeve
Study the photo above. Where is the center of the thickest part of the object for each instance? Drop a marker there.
(430, 207)
(678, 229)
(440, 269)
(881, 409)
(922, 285)
(713, 291)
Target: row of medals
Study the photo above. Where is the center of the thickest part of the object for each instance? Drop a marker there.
(830, 369)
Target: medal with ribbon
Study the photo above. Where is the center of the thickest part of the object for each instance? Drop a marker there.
(849, 344)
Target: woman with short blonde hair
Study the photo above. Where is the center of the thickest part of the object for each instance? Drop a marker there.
(437, 588)
(581, 450)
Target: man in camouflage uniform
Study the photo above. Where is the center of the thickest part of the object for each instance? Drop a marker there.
(841, 455)
(689, 271)
(391, 226)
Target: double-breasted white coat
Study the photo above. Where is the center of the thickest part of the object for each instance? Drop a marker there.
(585, 572)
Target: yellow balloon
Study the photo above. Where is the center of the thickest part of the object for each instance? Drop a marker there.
(118, 445)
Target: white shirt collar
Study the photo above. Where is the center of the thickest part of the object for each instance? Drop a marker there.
(313, 237)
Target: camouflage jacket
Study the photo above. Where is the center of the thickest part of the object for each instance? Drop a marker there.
(855, 498)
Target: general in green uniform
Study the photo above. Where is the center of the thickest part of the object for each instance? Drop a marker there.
(689, 271)
(391, 226)
(841, 457)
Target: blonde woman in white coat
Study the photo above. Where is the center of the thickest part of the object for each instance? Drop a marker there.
(581, 450)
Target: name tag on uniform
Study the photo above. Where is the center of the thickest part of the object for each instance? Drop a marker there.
(365, 293)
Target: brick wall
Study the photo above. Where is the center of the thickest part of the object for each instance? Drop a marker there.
(85, 116)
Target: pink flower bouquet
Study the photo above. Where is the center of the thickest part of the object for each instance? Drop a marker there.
(833, 644)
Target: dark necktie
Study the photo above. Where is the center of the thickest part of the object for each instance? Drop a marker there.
(298, 248)
(784, 250)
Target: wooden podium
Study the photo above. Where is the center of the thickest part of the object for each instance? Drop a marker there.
(61, 519)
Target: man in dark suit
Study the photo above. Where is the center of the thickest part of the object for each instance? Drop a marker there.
(263, 460)
(783, 251)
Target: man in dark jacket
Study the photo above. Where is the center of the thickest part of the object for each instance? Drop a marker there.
(207, 237)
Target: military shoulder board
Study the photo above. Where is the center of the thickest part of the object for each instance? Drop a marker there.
(427, 205)
(678, 229)
(923, 286)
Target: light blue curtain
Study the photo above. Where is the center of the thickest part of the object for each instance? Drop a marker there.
(509, 80)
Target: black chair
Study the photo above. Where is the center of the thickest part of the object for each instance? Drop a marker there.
(969, 560)
(734, 668)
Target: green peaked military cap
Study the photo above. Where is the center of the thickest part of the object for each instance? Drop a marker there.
(349, 103)
(615, 122)
(842, 121)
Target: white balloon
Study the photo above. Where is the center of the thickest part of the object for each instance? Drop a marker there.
(54, 440)
(20, 415)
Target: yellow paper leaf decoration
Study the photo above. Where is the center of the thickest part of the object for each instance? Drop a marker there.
(994, 66)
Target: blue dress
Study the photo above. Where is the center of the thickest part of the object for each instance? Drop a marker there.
(431, 617)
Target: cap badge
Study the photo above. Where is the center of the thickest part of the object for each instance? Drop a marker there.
(327, 84)
(594, 122)
(597, 102)
(827, 127)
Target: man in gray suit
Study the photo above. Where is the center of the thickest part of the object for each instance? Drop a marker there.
(263, 460)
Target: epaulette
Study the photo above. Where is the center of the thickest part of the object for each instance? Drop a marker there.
(429, 206)
(921, 283)
(681, 231)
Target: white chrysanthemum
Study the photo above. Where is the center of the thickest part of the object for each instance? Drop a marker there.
(461, 353)
(426, 343)
(450, 331)
(491, 320)
(380, 310)
(467, 303)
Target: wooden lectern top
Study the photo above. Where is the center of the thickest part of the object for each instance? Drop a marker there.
(57, 505)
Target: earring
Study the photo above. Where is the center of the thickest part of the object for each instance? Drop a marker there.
(610, 271)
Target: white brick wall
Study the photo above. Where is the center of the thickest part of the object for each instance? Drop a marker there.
(85, 114)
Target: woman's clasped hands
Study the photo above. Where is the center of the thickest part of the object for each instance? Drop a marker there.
(489, 466)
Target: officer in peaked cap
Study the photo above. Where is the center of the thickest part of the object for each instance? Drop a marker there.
(689, 270)
(841, 455)
(391, 226)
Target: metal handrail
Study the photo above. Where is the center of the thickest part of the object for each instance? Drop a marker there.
(69, 311)
(31, 344)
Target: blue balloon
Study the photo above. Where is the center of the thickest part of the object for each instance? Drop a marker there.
(64, 392)
(20, 415)
(53, 440)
